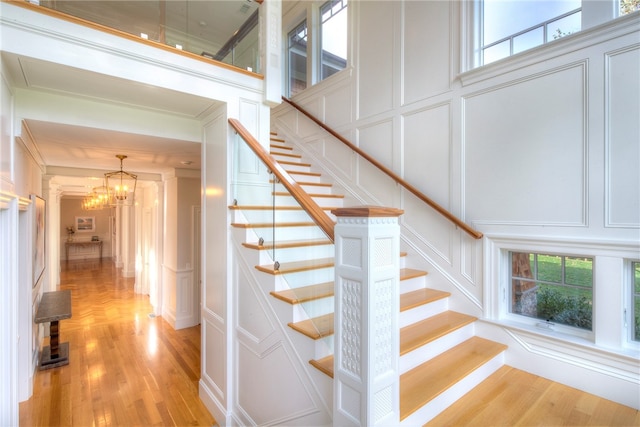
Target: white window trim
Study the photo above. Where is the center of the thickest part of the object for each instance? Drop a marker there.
(608, 331)
(599, 23)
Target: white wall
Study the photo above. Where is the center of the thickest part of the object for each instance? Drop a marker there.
(39, 37)
(181, 294)
(536, 148)
(20, 180)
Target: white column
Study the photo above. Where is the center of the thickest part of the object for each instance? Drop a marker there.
(367, 308)
(51, 192)
(127, 241)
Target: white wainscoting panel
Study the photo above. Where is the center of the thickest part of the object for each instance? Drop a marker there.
(421, 79)
(427, 152)
(375, 76)
(623, 150)
(525, 145)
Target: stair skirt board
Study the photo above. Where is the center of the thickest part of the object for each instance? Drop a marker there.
(445, 399)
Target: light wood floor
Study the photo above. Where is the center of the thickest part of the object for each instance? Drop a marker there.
(129, 369)
(126, 368)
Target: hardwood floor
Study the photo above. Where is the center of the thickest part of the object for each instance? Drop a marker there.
(126, 367)
(511, 397)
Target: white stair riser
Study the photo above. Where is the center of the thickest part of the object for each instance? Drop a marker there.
(296, 254)
(281, 156)
(302, 167)
(321, 201)
(413, 284)
(304, 278)
(451, 395)
(422, 312)
(279, 215)
(285, 234)
(306, 178)
(435, 347)
(311, 189)
(311, 309)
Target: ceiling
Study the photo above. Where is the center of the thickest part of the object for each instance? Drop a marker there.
(63, 145)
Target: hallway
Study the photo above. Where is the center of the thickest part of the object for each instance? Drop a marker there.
(126, 367)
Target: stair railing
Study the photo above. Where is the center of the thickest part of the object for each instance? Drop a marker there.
(319, 216)
(291, 233)
(438, 208)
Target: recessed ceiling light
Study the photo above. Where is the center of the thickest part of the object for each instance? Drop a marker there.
(186, 162)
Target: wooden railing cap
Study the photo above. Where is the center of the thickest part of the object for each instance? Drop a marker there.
(367, 211)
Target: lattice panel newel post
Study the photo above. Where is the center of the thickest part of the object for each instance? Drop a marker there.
(367, 302)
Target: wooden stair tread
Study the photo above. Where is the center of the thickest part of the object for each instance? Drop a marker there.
(325, 365)
(305, 293)
(410, 273)
(413, 299)
(315, 184)
(297, 266)
(315, 328)
(278, 153)
(268, 208)
(303, 173)
(420, 333)
(328, 196)
(425, 382)
(279, 146)
(288, 244)
(284, 162)
(270, 224)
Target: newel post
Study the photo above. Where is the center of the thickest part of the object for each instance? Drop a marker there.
(367, 305)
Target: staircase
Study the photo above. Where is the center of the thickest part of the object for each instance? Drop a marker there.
(441, 359)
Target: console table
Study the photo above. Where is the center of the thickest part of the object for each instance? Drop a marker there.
(54, 306)
(97, 243)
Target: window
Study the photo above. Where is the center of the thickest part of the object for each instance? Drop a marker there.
(552, 288)
(503, 28)
(636, 300)
(510, 27)
(297, 57)
(333, 30)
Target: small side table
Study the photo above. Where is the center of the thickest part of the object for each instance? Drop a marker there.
(54, 306)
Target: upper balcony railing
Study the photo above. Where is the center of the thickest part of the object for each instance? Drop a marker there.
(227, 32)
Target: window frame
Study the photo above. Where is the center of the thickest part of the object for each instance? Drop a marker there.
(289, 51)
(630, 304)
(592, 14)
(311, 13)
(320, 25)
(540, 322)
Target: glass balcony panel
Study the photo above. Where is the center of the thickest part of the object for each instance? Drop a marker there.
(225, 31)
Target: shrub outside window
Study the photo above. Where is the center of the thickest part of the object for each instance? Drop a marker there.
(553, 288)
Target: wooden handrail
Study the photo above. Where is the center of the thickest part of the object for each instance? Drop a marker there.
(318, 215)
(458, 222)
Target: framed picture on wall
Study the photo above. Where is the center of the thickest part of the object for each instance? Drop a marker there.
(85, 223)
(38, 237)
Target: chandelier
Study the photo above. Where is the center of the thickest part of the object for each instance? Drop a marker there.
(121, 185)
(97, 199)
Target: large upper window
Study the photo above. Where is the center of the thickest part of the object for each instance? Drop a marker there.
(333, 28)
(510, 27)
(506, 27)
(553, 288)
